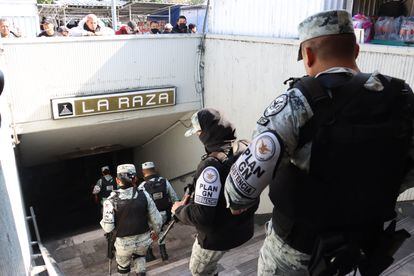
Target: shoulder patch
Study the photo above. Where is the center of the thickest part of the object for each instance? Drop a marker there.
(263, 121)
(208, 187)
(276, 106)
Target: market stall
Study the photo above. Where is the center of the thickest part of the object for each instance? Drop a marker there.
(384, 22)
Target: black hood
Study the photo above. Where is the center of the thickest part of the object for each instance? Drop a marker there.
(217, 133)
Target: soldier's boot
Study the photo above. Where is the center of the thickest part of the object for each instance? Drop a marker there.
(163, 252)
(149, 257)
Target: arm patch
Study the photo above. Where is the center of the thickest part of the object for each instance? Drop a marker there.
(255, 168)
(208, 187)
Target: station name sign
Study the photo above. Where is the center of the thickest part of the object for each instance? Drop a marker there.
(110, 103)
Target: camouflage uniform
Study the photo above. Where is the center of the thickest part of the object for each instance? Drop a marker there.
(136, 245)
(278, 258)
(276, 141)
(173, 197)
(203, 262)
(98, 187)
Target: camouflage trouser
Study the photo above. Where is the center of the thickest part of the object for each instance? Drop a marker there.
(203, 262)
(132, 250)
(278, 258)
(164, 220)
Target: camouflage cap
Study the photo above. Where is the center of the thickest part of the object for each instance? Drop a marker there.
(126, 169)
(325, 23)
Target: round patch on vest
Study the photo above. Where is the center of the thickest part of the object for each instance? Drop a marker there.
(265, 148)
(276, 106)
(210, 175)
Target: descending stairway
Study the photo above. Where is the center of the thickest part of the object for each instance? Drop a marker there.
(85, 254)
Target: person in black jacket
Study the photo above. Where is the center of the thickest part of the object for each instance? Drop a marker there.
(218, 230)
(181, 26)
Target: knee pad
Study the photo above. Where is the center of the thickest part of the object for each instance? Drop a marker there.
(124, 270)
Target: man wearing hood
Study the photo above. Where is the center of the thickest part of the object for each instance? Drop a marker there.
(91, 26)
(218, 230)
(131, 213)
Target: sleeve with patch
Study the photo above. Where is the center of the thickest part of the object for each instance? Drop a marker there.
(108, 217)
(286, 115)
(97, 187)
(253, 170)
(208, 185)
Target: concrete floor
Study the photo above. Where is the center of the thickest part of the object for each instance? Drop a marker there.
(85, 254)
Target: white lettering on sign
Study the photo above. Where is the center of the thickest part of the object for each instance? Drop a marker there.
(208, 187)
(104, 103)
(137, 100)
(123, 101)
(114, 102)
(84, 110)
(164, 97)
(151, 98)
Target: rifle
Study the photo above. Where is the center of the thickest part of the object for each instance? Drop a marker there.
(110, 239)
(186, 198)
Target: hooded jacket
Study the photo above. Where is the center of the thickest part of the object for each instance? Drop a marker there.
(217, 228)
(81, 31)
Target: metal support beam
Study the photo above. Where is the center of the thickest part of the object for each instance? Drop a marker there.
(114, 16)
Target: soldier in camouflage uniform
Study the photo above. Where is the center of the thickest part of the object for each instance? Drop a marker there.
(163, 194)
(130, 212)
(334, 150)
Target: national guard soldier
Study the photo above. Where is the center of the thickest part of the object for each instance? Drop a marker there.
(335, 150)
(104, 186)
(163, 195)
(217, 229)
(130, 212)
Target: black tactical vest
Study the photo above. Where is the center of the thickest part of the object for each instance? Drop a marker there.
(131, 215)
(359, 157)
(107, 187)
(227, 231)
(157, 188)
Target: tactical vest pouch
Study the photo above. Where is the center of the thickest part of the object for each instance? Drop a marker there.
(158, 191)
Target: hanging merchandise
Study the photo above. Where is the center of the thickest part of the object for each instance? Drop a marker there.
(361, 21)
(388, 28)
(407, 29)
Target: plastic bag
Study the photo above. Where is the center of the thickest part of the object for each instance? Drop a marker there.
(407, 29)
(361, 21)
(388, 28)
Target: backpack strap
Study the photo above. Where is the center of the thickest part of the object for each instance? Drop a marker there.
(322, 104)
(220, 156)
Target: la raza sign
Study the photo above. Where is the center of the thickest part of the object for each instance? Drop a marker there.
(110, 103)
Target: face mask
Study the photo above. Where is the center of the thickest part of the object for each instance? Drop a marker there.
(183, 26)
(155, 31)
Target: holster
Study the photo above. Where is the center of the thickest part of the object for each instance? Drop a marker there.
(381, 256)
(337, 254)
(334, 255)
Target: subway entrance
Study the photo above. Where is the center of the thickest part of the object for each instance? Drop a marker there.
(61, 192)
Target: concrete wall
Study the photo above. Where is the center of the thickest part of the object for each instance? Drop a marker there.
(244, 74)
(65, 67)
(175, 156)
(14, 243)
